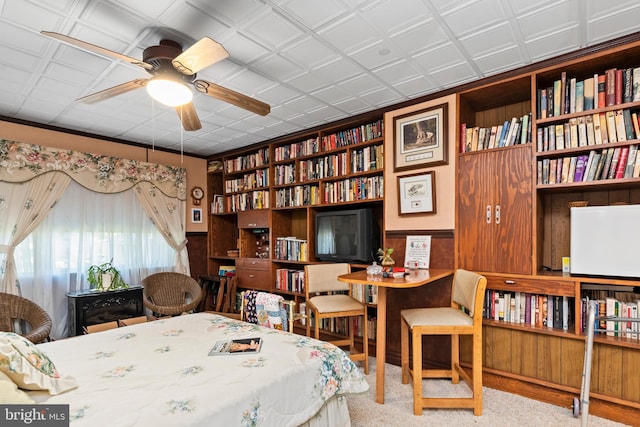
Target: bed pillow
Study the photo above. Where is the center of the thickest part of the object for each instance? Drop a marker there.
(29, 367)
(10, 394)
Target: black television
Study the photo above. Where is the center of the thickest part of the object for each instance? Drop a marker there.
(345, 235)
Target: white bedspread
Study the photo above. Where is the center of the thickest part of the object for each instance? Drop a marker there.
(159, 374)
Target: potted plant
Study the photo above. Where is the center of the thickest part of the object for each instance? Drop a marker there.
(105, 277)
(385, 258)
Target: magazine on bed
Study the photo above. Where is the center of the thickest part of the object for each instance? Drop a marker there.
(236, 346)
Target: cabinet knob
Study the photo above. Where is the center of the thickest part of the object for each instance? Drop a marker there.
(252, 224)
(488, 215)
(497, 214)
(510, 282)
(252, 276)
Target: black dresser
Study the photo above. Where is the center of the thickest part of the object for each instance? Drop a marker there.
(92, 307)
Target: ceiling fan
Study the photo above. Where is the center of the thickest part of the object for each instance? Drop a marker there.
(172, 69)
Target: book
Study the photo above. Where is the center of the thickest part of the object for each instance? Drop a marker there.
(614, 163)
(622, 162)
(604, 134)
(631, 161)
(236, 346)
(580, 166)
(627, 85)
(608, 153)
(588, 94)
(601, 91)
(579, 96)
(610, 87)
(611, 126)
(635, 76)
(630, 132)
(557, 98)
(619, 85)
(621, 132)
(572, 95)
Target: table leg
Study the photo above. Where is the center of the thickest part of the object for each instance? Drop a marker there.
(381, 339)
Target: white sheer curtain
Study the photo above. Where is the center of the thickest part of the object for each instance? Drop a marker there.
(87, 228)
(22, 207)
(168, 214)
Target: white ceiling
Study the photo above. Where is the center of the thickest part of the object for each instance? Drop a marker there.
(313, 61)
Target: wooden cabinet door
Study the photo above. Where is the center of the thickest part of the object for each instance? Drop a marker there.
(494, 211)
(512, 197)
(474, 229)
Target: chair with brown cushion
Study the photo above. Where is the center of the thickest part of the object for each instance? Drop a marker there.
(329, 298)
(462, 317)
(16, 309)
(170, 293)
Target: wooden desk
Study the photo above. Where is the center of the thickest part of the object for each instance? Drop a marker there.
(413, 280)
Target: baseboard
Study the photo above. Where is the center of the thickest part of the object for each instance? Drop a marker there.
(598, 407)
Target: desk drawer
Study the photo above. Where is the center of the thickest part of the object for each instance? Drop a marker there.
(532, 285)
(254, 279)
(253, 263)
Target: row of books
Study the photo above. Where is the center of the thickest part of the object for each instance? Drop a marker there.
(594, 129)
(349, 190)
(609, 163)
(291, 249)
(511, 132)
(568, 95)
(323, 167)
(284, 174)
(249, 181)
(614, 318)
(551, 311)
(290, 280)
(352, 136)
(258, 199)
(248, 161)
(367, 159)
(214, 166)
(300, 195)
(367, 294)
(296, 149)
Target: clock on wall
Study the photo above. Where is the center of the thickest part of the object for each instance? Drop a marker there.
(197, 194)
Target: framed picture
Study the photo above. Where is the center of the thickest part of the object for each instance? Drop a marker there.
(420, 139)
(417, 193)
(196, 215)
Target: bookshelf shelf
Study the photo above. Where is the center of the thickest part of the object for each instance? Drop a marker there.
(543, 214)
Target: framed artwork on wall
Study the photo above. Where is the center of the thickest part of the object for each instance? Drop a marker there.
(420, 139)
(196, 215)
(417, 193)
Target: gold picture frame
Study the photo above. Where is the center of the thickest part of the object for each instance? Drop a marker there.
(417, 193)
(420, 139)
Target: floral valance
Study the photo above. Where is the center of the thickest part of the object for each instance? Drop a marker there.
(20, 162)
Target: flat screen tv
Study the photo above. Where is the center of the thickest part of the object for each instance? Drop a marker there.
(345, 235)
(604, 240)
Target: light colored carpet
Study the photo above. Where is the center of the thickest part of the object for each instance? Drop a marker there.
(499, 408)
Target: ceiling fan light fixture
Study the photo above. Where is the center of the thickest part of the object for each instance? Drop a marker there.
(169, 91)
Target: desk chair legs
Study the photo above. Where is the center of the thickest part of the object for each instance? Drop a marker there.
(463, 317)
(417, 373)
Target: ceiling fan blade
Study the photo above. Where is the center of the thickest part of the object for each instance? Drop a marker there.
(232, 97)
(113, 91)
(200, 55)
(96, 49)
(189, 117)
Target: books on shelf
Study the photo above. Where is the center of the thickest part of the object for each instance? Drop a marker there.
(515, 131)
(551, 311)
(291, 249)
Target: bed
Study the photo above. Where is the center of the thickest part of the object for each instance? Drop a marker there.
(159, 374)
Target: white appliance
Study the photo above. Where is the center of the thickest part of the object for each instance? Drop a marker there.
(605, 240)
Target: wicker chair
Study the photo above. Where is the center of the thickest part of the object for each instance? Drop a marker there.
(171, 293)
(16, 308)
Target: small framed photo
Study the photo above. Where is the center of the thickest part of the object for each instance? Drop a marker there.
(420, 139)
(417, 193)
(196, 215)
